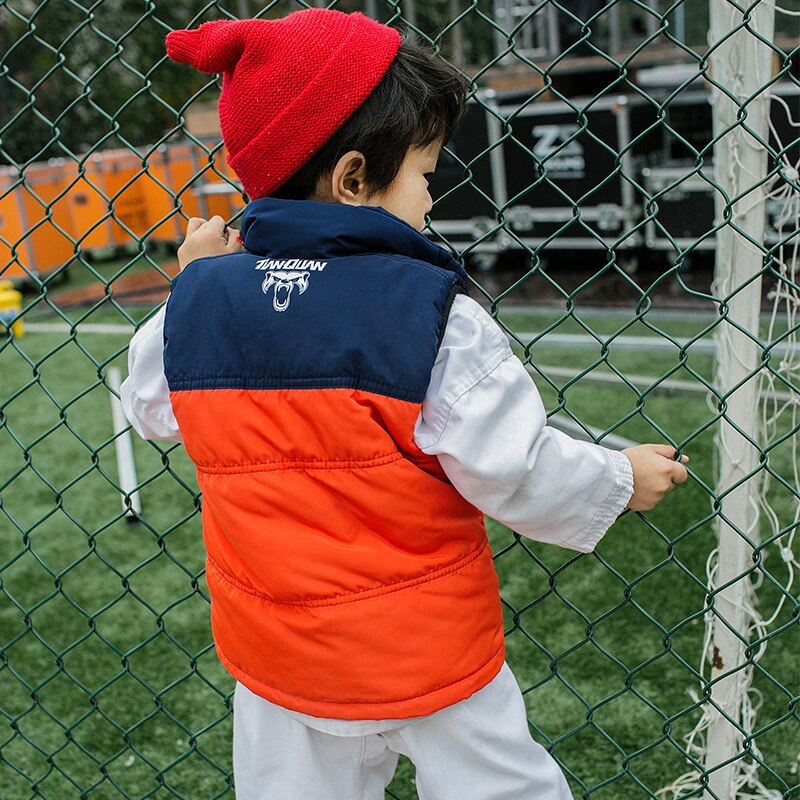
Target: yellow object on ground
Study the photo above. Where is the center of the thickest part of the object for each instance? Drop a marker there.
(10, 308)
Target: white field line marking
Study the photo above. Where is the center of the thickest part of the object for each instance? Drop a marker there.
(643, 382)
(589, 433)
(651, 344)
(81, 327)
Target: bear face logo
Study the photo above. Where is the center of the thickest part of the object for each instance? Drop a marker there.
(282, 285)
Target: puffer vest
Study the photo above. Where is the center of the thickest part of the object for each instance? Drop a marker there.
(348, 578)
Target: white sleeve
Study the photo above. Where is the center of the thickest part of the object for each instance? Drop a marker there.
(144, 393)
(484, 419)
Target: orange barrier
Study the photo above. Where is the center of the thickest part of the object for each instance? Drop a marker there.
(223, 197)
(200, 183)
(123, 173)
(158, 185)
(11, 232)
(37, 227)
(91, 215)
(110, 198)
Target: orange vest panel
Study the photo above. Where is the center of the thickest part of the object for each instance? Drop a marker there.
(360, 587)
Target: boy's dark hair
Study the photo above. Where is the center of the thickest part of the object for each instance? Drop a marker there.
(420, 100)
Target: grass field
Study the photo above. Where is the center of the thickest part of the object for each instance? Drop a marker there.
(109, 685)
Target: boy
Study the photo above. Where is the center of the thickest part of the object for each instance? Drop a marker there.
(352, 415)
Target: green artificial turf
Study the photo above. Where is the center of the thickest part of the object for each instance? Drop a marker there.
(109, 686)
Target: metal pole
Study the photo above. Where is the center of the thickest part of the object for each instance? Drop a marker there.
(126, 466)
(680, 24)
(741, 64)
(622, 115)
(553, 45)
(653, 22)
(494, 132)
(614, 30)
(458, 36)
(409, 11)
(371, 8)
(503, 23)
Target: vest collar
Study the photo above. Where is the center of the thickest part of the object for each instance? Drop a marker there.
(307, 228)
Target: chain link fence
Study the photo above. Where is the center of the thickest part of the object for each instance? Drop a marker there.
(589, 194)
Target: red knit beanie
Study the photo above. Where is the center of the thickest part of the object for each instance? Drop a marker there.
(288, 84)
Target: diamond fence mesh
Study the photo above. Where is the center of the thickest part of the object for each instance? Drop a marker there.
(584, 197)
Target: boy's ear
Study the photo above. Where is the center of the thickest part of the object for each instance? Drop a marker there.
(348, 180)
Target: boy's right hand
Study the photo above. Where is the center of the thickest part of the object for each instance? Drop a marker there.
(207, 238)
(655, 473)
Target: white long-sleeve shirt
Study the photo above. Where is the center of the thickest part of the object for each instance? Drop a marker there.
(483, 418)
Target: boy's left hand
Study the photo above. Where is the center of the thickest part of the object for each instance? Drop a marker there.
(207, 238)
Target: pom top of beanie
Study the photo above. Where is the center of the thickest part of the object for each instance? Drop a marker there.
(288, 84)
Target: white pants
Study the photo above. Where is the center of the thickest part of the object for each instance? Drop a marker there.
(479, 749)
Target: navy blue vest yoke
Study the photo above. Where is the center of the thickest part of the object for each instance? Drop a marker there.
(325, 296)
